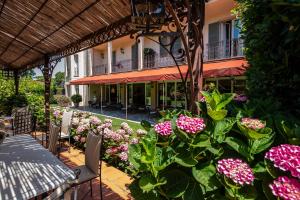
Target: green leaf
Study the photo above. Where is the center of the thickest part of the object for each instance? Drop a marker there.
(217, 115)
(201, 140)
(217, 151)
(138, 194)
(252, 134)
(245, 193)
(259, 145)
(239, 146)
(177, 183)
(205, 174)
(163, 158)
(134, 155)
(185, 159)
(147, 183)
(225, 99)
(147, 125)
(260, 170)
(222, 127)
(193, 191)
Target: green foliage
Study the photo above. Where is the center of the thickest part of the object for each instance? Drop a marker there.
(183, 165)
(272, 46)
(76, 98)
(7, 104)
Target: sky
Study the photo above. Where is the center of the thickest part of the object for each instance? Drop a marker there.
(59, 68)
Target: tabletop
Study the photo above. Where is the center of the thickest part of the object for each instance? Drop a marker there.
(27, 169)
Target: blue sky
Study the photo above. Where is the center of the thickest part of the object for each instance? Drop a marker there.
(59, 68)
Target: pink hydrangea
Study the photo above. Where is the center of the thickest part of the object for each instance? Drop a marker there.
(123, 156)
(190, 124)
(95, 120)
(80, 129)
(76, 138)
(141, 132)
(121, 131)
(123, 147)
(56, 113)
(254, 124)
(240, 98)
(236, 170)
(134, 141)
(286, 157)
(286, 188)
(83, 139)
(112, 150)
(163, 128)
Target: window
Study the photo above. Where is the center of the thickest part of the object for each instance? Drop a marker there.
(228, 84)
(76, 67)
(148, 94)
(114, 58)
(76, 89)
(180, 96)
(167, 40)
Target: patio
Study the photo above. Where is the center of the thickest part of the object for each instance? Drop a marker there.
(135, 117)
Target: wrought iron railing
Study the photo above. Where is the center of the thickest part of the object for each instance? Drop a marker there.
(157, 61)
(125, 65)
(223, 50)
(99, 69)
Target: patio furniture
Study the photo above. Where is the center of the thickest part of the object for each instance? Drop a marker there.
(90, 170)
(22, 121)
(66, 127)
(53, 139)
(28, 170)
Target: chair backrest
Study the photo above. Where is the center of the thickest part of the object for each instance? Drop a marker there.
(53, 138)
(66, 122)
(92, 151)
(22, 121)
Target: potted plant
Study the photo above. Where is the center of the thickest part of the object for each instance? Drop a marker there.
(76, 98)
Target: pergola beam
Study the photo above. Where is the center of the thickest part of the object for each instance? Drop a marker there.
(57, 29)
(2, 7)
(15, 38)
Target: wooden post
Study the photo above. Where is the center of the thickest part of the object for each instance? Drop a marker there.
(47, 79)
(16, 76)
(126, 101)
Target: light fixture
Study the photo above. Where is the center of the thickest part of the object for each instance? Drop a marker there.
(147, 14)
(122, 51)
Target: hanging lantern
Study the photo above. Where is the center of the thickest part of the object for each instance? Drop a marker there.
(147, 14)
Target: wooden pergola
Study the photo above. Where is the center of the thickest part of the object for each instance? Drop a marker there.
(38, 33)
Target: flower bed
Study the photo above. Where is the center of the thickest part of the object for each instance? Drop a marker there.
(219, 154)
(115, 144)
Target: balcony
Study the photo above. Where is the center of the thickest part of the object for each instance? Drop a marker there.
(151, 62)
(99, 69)
(124, 66)
(224, 50)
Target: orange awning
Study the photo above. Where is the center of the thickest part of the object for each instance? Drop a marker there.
(213, 69)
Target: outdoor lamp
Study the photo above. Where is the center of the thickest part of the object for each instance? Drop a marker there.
(122, 50)
(147, 14)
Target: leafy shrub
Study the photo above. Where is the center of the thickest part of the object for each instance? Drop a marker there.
(216, 155)
(11, 102)
(76, 98)
(62, 100)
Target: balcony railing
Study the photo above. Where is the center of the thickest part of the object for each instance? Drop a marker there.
(99, 69)
(151, 62)
(125, 66)
(223, 50)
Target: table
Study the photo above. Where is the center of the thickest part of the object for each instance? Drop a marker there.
(27, 169)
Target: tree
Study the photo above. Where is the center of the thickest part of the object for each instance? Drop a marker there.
(59, 79)
(271, 33)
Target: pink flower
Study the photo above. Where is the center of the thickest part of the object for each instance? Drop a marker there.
(163, 128)
(80, 129)
(121, 131)
(254, 124)
(56, 113)
(286, 157)
(202, 99)
(112, 150)
(82, 139)
(76, 138)
(134, 141)
(123, 156)
(95, 120)
(141, 132)
(236, 170)
(190, 125)
(123, 147)
(286, 188)
(240, 98)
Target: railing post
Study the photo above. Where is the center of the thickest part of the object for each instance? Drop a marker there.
(17, 81)
(47, 80)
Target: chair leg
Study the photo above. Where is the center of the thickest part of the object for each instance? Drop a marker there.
(91, 186)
